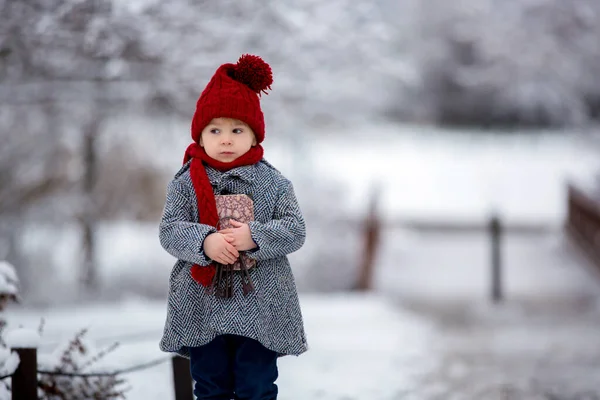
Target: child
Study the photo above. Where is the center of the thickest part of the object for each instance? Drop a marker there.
(233, 343)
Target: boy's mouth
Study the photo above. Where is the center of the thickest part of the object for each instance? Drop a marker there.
(227, 153)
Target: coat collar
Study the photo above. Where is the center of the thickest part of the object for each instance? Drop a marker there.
(246, 173)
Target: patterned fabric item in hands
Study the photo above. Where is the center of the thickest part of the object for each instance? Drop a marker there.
(207, 206)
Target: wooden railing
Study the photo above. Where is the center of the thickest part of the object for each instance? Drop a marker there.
(583, 222)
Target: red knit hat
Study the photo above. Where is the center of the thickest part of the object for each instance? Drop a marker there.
(233, 92)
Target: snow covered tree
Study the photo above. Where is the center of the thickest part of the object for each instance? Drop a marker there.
(325, 56)
(525, 63)
(64, 66)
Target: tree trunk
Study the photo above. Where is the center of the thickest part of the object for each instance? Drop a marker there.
(89, 275)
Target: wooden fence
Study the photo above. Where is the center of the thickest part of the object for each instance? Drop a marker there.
(583, 222)
(25, 378)
(373, 224)
(582, 225)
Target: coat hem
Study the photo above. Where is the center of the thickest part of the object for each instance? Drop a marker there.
(181, 349)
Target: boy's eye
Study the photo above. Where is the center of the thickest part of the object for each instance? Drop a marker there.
(238, 130)
(214, 130)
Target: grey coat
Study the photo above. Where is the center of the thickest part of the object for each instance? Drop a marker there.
(271, 313)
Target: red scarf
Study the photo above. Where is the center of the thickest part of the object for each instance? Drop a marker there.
(207, 206)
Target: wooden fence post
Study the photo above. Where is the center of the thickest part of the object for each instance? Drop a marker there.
(583, 222)
(496, 259)
(182, 379)
(371, 231)
(24, 381)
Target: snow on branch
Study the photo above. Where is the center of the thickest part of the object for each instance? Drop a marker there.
(8, 284)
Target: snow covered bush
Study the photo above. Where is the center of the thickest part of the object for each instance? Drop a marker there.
(8, 286)
(73, 357)
(8, 293)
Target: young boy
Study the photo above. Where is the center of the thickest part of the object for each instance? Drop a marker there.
(233, 343)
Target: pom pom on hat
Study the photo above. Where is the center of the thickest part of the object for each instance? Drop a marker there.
(253, 72)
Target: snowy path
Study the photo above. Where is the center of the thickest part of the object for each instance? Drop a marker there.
(541, 343)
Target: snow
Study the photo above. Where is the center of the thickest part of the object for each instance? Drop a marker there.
(8, 278)
(356, 343)
(6, 287)
(9, 361)
(22, 338)
(498, 55)
(79, 359)
(432, 174)
(345, 358)
(404, 53)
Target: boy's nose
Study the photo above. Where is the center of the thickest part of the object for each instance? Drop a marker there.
(226, 139)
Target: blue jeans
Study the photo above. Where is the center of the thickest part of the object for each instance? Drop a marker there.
(234, 367)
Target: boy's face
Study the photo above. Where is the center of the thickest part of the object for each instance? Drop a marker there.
(226, 139)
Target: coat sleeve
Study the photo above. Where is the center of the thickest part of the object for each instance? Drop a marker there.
(285, 233)
(179, 234)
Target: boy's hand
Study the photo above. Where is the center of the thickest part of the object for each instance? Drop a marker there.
(219, 250)
(239, 236)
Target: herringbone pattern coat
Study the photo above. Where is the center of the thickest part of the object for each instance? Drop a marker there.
(271, 313)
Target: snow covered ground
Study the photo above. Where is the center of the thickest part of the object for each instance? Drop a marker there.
(513, 351)
(539, 343)
(361, 346)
